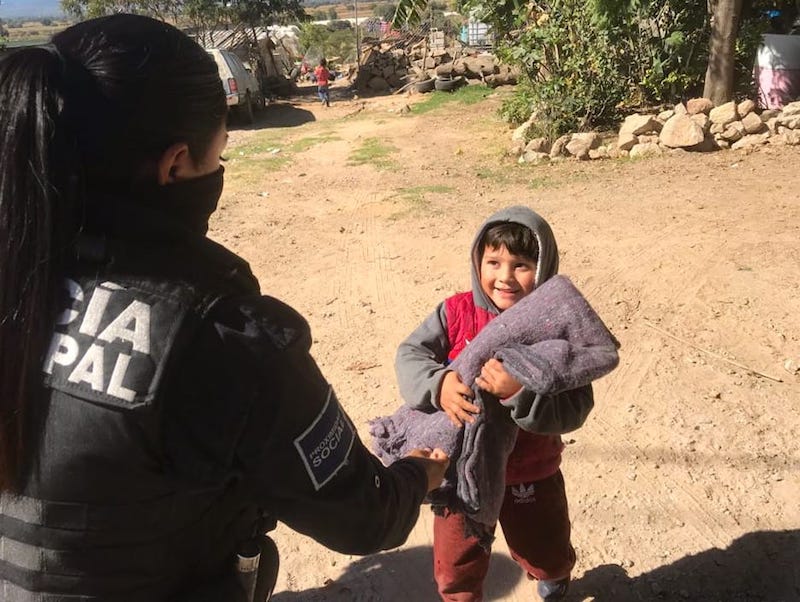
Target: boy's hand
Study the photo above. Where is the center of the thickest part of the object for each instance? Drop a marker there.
(435, 463)
(454, 400)
(494, 379)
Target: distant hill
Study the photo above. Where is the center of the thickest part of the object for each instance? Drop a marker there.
(12, 9)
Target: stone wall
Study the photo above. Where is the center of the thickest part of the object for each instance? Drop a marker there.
(697, 126)
(387, 66)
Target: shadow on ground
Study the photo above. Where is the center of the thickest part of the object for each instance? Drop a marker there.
(401, 576)
(764, 565)
(278, 114)
(759, 566)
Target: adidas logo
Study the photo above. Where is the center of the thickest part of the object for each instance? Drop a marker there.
(523, 494)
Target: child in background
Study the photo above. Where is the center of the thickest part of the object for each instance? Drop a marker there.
(513, 252)
(323, 76)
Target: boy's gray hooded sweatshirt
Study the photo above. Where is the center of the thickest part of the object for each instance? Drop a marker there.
(421, 361)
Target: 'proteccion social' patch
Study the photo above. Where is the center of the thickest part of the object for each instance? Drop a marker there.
(325, 445)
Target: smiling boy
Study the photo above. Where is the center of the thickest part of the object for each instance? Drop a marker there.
(513, 252)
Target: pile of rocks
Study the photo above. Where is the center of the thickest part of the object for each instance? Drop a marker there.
(697, 126)
(391, 66)
(383, 67)
(482, 67)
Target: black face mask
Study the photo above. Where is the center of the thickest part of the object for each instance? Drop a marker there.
(188, 203)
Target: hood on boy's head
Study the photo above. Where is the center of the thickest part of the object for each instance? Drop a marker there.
(546, 267)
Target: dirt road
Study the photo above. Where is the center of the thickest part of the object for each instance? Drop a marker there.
(683, 484)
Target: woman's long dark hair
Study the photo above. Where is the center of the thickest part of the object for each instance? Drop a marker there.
(89, 113)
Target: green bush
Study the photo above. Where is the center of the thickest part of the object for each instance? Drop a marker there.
(571, 75)
(586, 62)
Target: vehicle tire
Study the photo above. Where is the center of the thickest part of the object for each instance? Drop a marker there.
(425, 85)
(446, 84)
(246, 112)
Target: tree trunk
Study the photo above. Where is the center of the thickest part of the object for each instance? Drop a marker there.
(724, 29)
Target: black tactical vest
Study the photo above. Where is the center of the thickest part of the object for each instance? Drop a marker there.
(101, 516)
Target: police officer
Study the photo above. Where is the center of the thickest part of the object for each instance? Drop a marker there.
(156, 411)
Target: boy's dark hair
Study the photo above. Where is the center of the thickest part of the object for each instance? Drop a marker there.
(323, 62)
(518, 239)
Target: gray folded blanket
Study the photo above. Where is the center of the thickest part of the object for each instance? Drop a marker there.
(550, 341)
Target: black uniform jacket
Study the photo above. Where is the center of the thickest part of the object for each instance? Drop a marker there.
(180, 403)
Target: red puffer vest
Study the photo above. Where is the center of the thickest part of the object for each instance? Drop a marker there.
(534, 457)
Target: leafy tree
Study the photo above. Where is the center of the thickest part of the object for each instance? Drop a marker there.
(313, 36)
(320, 40)
(205, 16)
(265, 12)
(332, 14)
(86, 9)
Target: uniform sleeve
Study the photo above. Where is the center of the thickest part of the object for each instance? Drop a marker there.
(420, 363)
(551, 414)
(278, 425)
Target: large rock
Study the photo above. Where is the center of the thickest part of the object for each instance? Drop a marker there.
(646, 138)
(752, 124)
(445, 69)
(792, 137)
(477, 67)
(580, 144)
(750, 140)
(664, 115)
(745, 107)
(560, 146)
(793, 108)
(426, 63)
(772, 125)
(789, 121)
(680, 109)
(533, 157)
(680, 131)
(640, 124)
(702, 120)
(459, 68)
(699, 105)
(507, 78)
(521, 133)
(734, 131)
(768, 114)
(538, 145)
(716, 128)
(645, 150)
(627, 141)
(724, 114)
(517, 148)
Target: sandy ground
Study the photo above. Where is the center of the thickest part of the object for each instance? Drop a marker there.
(683, 484)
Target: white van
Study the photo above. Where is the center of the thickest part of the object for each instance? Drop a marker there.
(241, 86)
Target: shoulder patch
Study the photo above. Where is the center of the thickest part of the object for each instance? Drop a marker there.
(112, 342)
(325, 445)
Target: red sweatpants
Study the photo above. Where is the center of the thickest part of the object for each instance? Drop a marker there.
(535, 522)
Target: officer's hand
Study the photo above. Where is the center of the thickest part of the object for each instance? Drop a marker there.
(435, 463)
(454, 399)
(494, 379)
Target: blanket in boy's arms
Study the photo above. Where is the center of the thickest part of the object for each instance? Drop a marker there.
(550, 341)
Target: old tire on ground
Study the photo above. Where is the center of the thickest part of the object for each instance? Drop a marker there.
(446, 84)
(425, 85)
